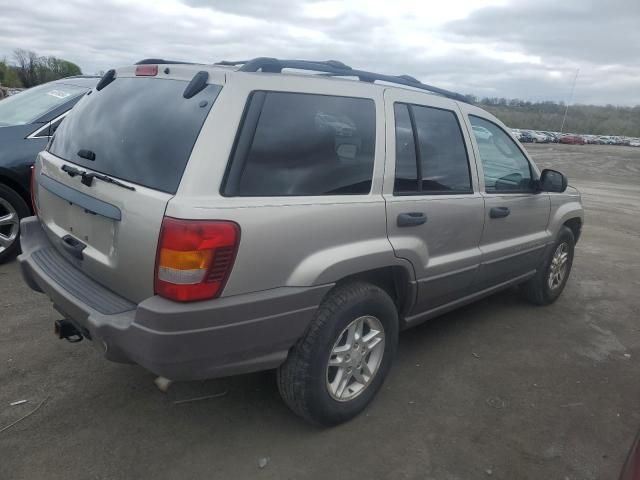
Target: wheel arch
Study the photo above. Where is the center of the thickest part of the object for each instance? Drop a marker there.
(396, 280)
(575, 225)
(16, 187)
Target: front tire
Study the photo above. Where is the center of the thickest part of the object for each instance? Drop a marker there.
(549, 282)
(337, 367)
(12, 209)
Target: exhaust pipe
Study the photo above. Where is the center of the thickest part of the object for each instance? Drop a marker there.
(67, 330)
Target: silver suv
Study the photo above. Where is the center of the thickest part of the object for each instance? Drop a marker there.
(212, 220)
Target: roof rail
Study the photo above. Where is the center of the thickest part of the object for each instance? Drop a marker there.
(160, 61)
(337, 69)
(80, 76)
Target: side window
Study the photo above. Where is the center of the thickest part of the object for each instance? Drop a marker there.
(443, 164)
(54, 125)
(506, 169)
(303, 144)
(406, 167)
(49, 129)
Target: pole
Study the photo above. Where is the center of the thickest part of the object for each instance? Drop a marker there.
(566, 110)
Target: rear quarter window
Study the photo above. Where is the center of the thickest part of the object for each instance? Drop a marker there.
(296, 144)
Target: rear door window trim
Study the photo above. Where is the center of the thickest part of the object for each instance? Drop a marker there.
(420, 191)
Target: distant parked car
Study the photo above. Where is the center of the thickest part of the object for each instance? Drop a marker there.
(27, 121)
(572, 139)
(607, 140)
(552, 137)
(634, 142)
(538, 137)
(481, 133)
(526, 136)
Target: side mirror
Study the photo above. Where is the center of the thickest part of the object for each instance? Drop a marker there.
(552, 181)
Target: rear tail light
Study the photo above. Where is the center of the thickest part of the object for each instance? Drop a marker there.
(147, 70)
(34, 199)
(194, 258)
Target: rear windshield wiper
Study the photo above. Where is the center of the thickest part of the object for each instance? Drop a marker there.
(108, 179)
(87, 178)
(72, 171)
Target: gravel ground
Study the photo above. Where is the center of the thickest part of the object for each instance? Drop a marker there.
(499, 389)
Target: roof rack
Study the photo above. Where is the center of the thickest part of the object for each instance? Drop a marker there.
(336, 69)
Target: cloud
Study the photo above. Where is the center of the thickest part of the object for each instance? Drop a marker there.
(488, 48)
(603, 33)
(601, 40)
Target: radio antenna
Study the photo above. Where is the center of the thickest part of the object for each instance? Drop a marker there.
(573, 89)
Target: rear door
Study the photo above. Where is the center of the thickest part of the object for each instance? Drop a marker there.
(434, 212)
(516, 215)
(139, 132)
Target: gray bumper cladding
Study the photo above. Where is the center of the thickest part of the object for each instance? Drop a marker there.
(180, 341)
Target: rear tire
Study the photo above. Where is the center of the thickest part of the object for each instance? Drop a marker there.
(12, 209)
(309, 381)
(549, 282)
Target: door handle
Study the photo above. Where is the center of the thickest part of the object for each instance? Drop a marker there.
(411, 219)
(499, 212)
(73, 246)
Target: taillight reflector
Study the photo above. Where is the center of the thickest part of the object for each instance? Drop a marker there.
(34, 203)
(147, 70)
(194, 258)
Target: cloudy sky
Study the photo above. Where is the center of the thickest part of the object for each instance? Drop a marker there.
(506, 48)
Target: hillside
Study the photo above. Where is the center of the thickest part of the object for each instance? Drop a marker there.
(585, 119)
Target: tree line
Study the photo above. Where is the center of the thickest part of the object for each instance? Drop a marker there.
(29, 69)
(547, 116)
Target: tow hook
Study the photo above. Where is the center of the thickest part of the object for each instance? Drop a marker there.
(65, 329)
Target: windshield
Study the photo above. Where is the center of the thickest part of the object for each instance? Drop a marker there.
(137, 129)
(26, 107)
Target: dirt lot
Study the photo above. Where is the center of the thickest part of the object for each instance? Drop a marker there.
(499, 389)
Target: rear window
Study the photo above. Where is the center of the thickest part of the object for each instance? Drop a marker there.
(26, 107)
(297, 144)
(140, 129)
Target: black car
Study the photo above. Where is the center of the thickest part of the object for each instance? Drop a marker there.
(27, 120)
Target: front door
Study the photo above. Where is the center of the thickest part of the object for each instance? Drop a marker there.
(435, 213)
(516, 215)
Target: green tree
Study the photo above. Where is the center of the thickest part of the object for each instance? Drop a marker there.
(8, 75)
(33, 70)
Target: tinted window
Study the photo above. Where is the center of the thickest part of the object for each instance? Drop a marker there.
(140, 129)
(302, 144)
(443, 165)
(406, 166)
(26, 107)
(505, 167)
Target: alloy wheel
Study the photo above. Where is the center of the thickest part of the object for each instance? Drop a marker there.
(355, 358)
(9, 225)
(558, 267)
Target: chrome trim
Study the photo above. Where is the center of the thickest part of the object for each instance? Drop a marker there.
(47, 125)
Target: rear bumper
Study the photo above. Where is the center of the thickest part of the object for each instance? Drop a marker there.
(180, 341)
